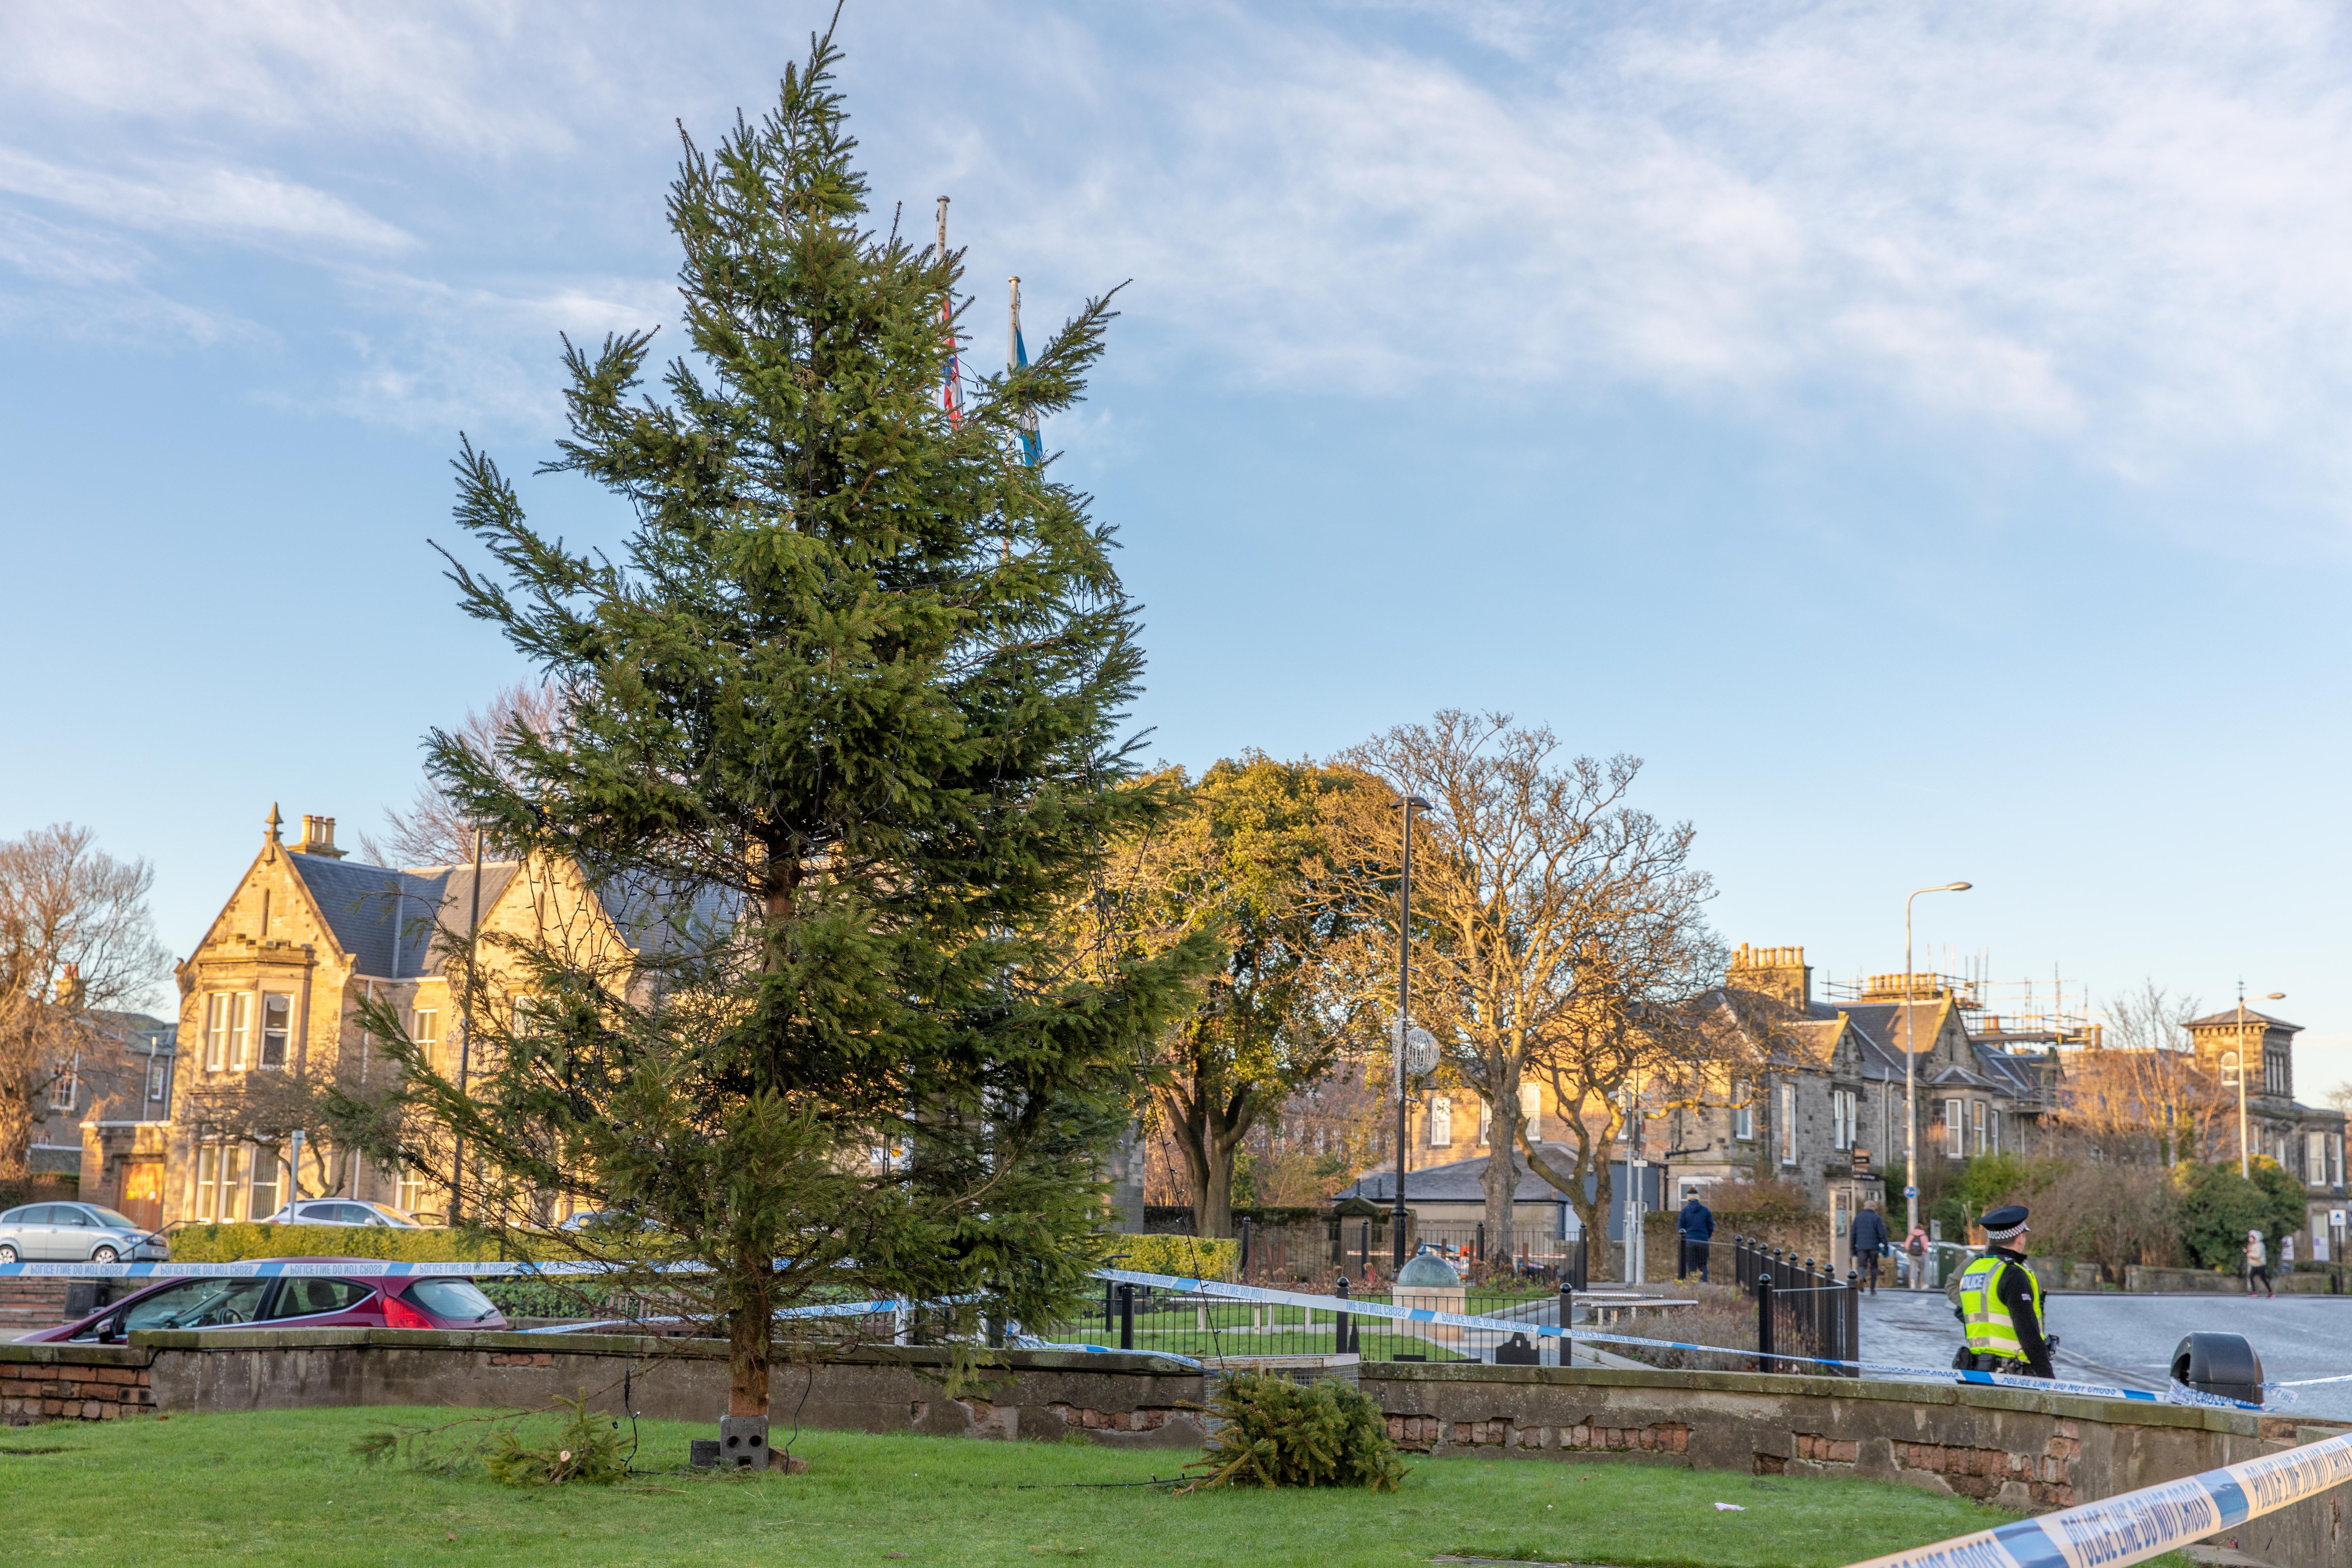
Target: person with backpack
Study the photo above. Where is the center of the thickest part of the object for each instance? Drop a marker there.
(2258, 1264)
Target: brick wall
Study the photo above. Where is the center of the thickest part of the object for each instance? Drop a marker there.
(26, 1304)
(76, 1384)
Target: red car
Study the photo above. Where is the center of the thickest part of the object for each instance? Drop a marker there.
(290, 1301)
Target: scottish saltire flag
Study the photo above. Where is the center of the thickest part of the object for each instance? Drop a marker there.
(1026, 422)
(1030, 447)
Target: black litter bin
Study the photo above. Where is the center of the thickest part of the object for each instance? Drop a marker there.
(2219, 1363)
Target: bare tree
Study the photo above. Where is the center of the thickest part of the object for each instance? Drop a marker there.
(1533, 880)
(2144, 1095)
(76, 940)
(432, 831)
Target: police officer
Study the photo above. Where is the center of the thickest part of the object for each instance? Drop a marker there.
(2001, 1302)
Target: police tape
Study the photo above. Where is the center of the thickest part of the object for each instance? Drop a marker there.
(1355, 1307)
(384, 1268)
(2136, 1525)
(320, 1268)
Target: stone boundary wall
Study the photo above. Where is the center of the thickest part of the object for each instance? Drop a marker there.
(2015, 1447)
(2308, 1280)
(60, 1383)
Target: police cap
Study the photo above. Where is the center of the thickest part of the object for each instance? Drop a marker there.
(2005, 1223)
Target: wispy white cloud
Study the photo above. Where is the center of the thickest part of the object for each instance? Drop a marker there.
(2113, 229)
(208, 198)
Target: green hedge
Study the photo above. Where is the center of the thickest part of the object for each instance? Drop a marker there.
(1190, 1256)
(234, 1243)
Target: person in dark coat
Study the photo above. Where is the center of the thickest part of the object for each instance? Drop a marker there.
(1695, 1225)
(1869, 1241)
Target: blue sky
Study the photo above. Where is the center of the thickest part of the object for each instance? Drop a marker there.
(1917, 434)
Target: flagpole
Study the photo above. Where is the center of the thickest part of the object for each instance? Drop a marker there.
(1012, 337)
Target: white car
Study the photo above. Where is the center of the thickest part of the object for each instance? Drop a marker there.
(342, 1211)
(76, 1232)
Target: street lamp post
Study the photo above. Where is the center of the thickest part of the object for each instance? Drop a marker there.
(2245, 1164)
(1404, 1027)
(1910, 1069)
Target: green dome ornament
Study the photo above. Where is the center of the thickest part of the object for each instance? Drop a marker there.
(1425, 1270)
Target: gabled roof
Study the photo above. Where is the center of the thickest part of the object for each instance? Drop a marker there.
(384, 918)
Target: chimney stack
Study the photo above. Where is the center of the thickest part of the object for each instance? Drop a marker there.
(319, 837)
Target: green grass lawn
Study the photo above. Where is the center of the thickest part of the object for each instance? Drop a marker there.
(283, 1486)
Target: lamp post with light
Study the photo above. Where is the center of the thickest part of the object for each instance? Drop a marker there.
(1910, 1068)
(1404, 1041)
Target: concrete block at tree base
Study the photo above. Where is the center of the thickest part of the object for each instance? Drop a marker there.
(743, 1442)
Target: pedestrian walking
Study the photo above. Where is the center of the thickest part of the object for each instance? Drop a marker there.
(1914, 1252)
(1695, 1225)
(1866, 1239)
(2001, 1303)
(2258, 1261)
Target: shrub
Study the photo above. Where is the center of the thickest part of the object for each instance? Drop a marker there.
(2216, 1207)
(1761, 1201)
(1276, 1433)
(234, 1243)
(1185, 1256)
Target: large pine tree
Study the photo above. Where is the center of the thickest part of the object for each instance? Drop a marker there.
(843, 712)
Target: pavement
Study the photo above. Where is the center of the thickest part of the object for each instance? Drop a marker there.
(2128, 1339)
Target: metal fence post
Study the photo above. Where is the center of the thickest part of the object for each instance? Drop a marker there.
(1126, 1317)
(1342, 1334)
(1241, 1268)
(1852, 1349)
(1764, 1322)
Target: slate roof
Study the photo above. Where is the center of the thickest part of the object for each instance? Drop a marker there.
(1457, 1182)
(385, 918)
(2230, 1016)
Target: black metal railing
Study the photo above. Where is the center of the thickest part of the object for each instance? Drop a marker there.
(1802, 1310)
(1207, 1327)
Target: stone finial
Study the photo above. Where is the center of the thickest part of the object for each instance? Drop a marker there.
(274, 823)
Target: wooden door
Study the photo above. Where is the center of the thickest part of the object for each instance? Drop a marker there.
(143, 1192)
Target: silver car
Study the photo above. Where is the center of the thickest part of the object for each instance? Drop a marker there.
(342, 1211)
(76, 1232)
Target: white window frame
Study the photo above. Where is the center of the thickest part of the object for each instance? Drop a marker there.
(240, 1030)
(159, 1079)
(66, 1087)
(1531, 1110)
(209, 1173)
(1845, 1117)
(262, 1160)
(236, 1173)
(1978, 1116)
(409, 1194)
(1485, 1124)
(424, 1033)
(1788, 1123)
(284, 1036)
(1441, 1122)
(216, 1031)
(1956, 1129)
(1992, 1121)
(1743, 1115)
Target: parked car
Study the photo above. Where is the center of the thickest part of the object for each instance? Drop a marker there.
(342, 1211)
(76, 1232)
(336, 1301)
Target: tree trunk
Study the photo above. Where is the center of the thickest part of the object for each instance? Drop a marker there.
(750, 1336)
(15, 1138)
(1209, 1126)
(1500, 1180)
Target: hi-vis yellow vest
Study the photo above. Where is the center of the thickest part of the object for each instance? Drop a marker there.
(1990, 1329)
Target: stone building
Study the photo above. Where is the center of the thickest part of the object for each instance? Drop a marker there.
(103, 1114)
(2307, 1141)
(270, 1002)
